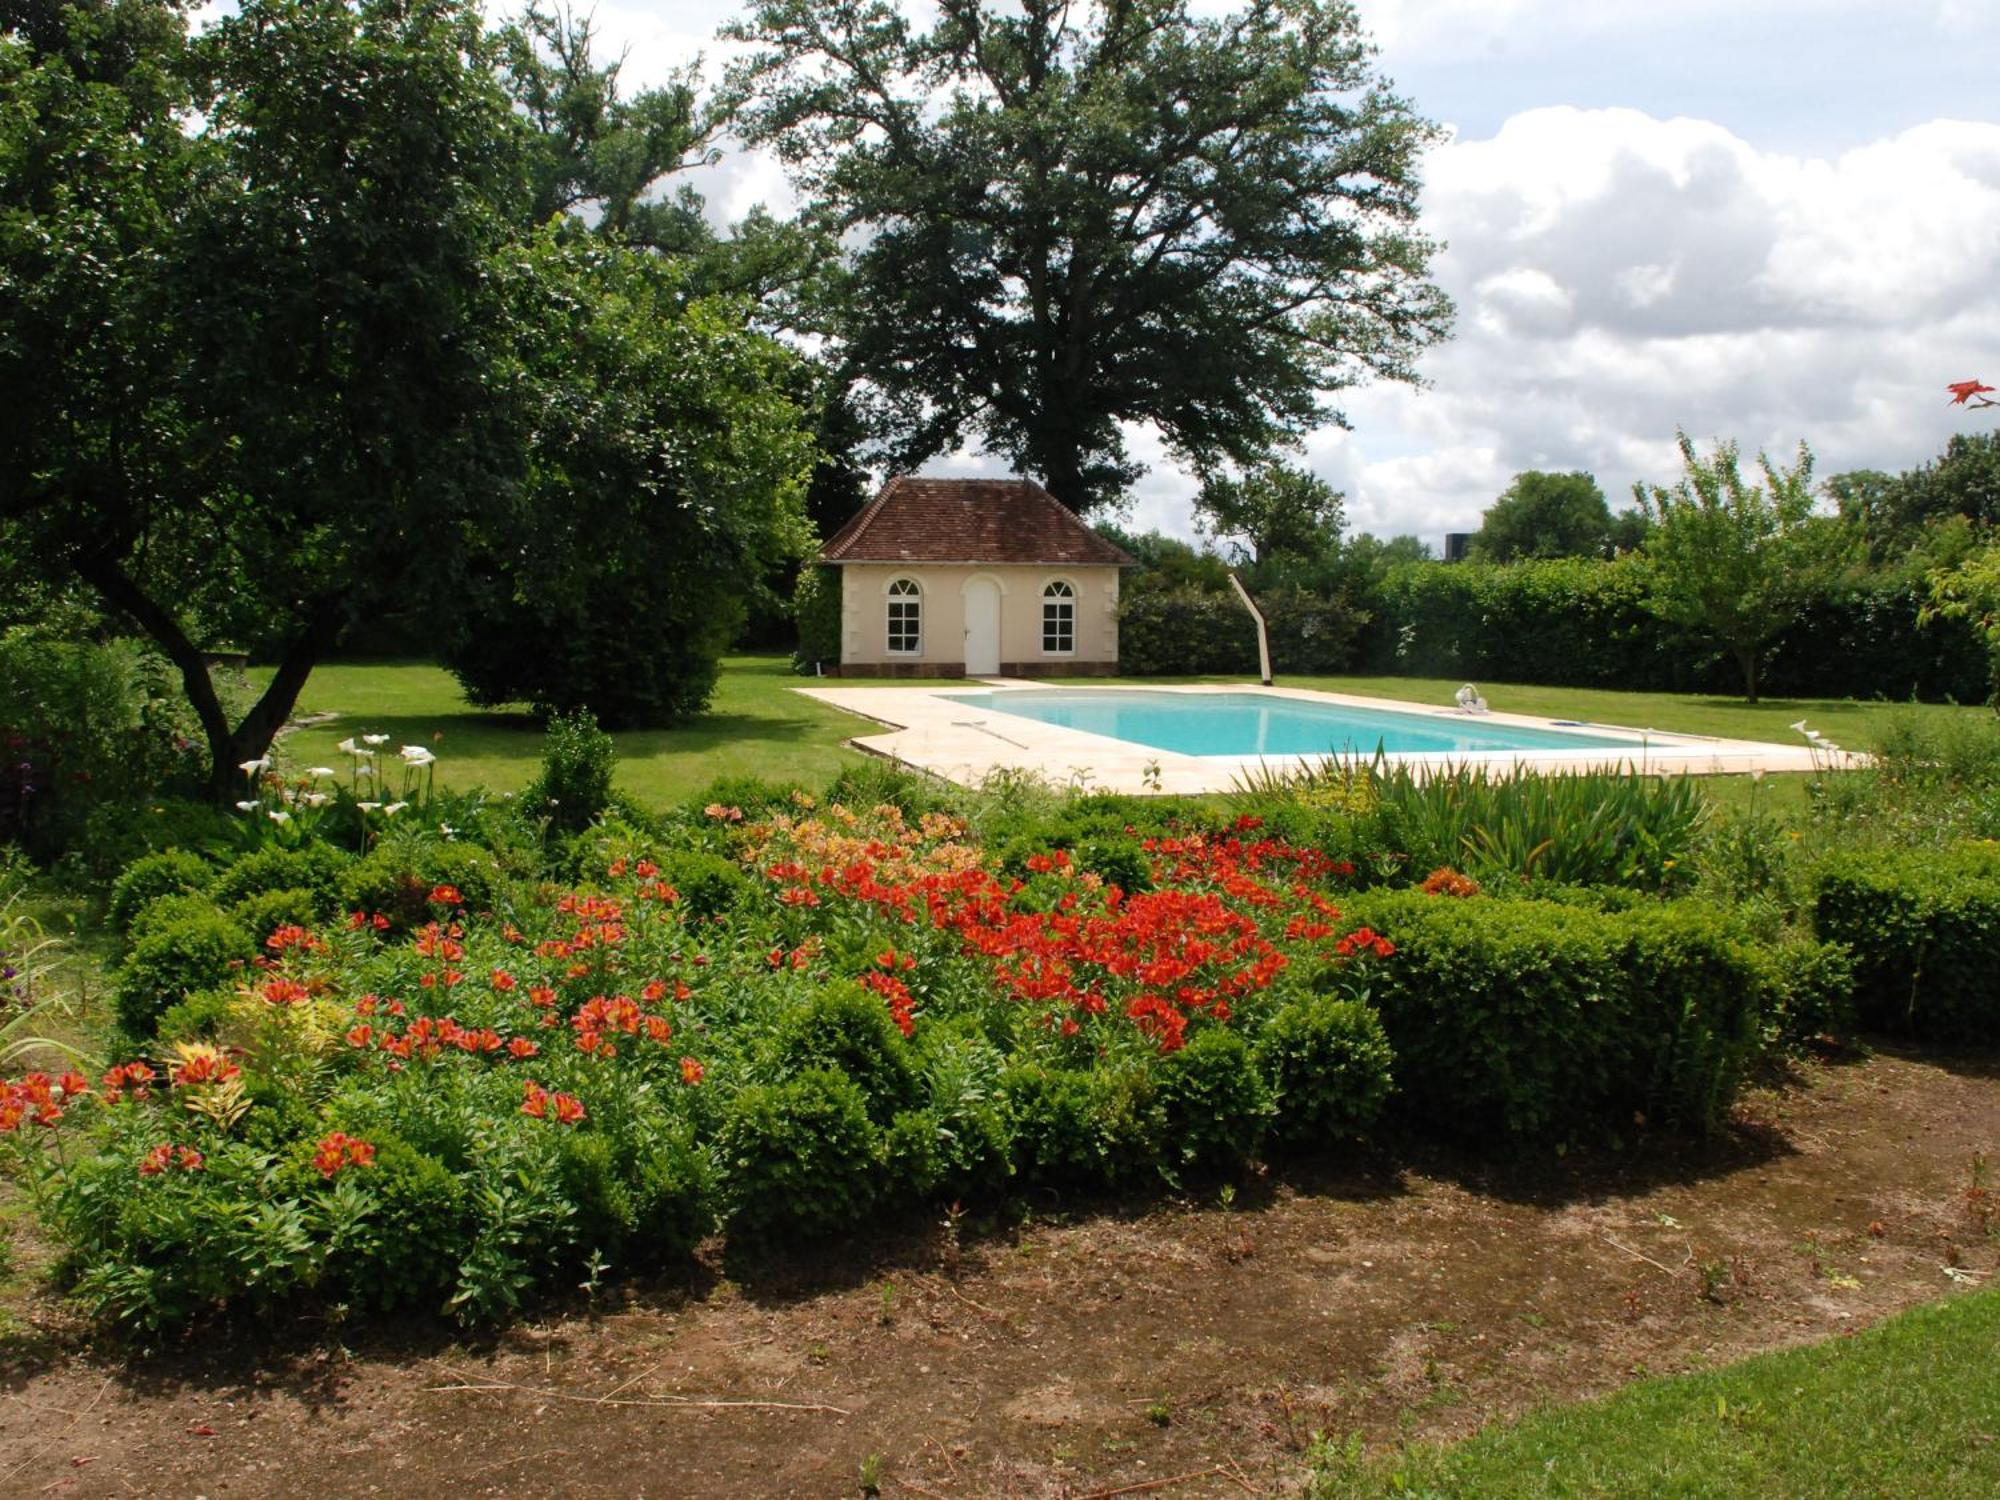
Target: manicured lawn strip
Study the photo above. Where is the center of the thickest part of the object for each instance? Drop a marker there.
(1911, 1407)
(757, 726)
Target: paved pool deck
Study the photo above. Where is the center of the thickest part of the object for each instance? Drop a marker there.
(925, 728)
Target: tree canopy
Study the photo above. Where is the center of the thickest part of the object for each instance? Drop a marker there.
(1545, 515)
(1277, 510)
(280, 347)
(1075, 218)
(1735, 559)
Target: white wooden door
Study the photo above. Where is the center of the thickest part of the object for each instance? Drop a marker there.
(982, 628)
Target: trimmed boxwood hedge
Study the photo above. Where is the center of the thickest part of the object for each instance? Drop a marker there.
(1541, 1019)
(1924, 929)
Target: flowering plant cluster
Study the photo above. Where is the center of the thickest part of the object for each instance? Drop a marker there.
(861, 1008)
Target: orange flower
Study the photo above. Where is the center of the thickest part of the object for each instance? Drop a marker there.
(692, 1072)
(338, 1150)
(447, 895)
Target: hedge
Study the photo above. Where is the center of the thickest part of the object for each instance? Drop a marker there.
(1539, 1019)
(1924, 928)
(1183, 630)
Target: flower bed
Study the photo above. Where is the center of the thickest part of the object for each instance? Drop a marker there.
(850, 1013)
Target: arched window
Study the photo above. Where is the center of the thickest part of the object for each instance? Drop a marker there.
(906, 617)
(1058, 619)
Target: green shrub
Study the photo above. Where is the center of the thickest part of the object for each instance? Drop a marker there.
(1538, 1019)
(396, 879)
(574, 787)
(1330, 1065)
(197, 1018)
(673, 1198)
(846, 1027)
(958, 1145)
(816, 612)
(174, 872)
(875, 782)
(267, 911)
(1815, 986)
(1104, 1128)
(415, 1237)
(1117, 860)
(163, 911)
(174, 960)
(800, 1160)
(708, 884)
(317, 868)
(1924, 930)
(1215, 1103)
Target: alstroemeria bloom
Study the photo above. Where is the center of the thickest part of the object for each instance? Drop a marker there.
(1963, 391)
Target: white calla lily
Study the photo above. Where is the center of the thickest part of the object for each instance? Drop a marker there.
(417, 755)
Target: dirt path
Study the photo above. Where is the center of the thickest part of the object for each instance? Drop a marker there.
(1413, 1297)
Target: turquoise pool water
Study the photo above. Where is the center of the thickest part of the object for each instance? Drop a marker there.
(1252, 724)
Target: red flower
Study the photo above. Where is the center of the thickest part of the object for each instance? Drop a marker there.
(503, 981)
(1963, 391)
(568, 1108)
(338, 1151)
(447, 895)
(520, 1048)
(284, 992)
(73, 1085)
(135, 1076)
(534, 1100)
(156, 1161)
(692, 1072)
(361, 1035)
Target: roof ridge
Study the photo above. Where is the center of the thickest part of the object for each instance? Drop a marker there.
(857, 525)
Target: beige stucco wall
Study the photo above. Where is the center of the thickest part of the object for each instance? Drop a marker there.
(864, 613)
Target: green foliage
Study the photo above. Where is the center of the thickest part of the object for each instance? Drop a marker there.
(1215, 1103)
(1279, 511)
(1924, 930)
(90, 732)
(1169, 630)
(264, 913)
(1538, 1019)
(396, 878)
(418, 1231)
(319, 869)
(1330, 1068)
(194, 952)
(577, 762)
(1545, 515)
(708, 884)
(1089, 1130)
(846, 1027)
(1219, 308)
(1738, 561)
(800, 1160)
(816, 612)
(174, 872)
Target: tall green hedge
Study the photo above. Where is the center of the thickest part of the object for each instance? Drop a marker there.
(1182, 629)
(1924, 928)
(1532, 1018)
(1581, 622)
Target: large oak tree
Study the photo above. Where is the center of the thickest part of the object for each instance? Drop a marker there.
(1071, 217)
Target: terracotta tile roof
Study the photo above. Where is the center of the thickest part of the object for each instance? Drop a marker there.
(970, 521)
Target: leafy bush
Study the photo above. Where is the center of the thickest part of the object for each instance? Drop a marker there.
(816, 610)
(319, 869)
(197, 951)
(396, 879)
(264, 913)
(1539, 1019)
(1924, 931)
(708, 884)
(844, 1026)
(800, 1160)
(174, 872)
(574, 787)
(1330, 1069)
(1215, 1103)
(87, 728)
(1091, 1130)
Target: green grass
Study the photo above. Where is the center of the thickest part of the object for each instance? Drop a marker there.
(1910, 1408)
(758, 725)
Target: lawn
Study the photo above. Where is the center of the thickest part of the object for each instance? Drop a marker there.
(1905, 1408)
(758, 725)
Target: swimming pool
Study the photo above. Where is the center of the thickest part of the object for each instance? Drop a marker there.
(1256, 724)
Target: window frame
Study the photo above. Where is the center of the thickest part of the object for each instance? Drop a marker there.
(1059, 607)
(903, 616)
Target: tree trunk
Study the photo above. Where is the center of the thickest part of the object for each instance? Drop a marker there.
(228, 747)
(1746, 660)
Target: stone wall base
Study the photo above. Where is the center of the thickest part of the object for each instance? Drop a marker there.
(957, 669)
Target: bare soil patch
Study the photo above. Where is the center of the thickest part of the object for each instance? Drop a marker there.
(1415, 1294)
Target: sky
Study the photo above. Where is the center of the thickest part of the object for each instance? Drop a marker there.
(1771, 221)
